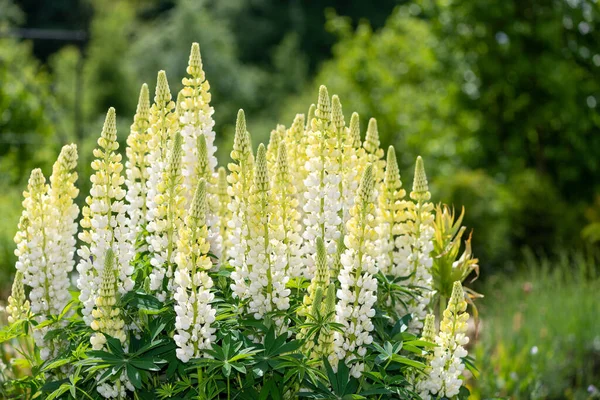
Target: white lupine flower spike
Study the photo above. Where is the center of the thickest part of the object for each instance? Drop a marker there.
(137, 165)
(105, 224)
(418, 234)
(167, 222)
(358, 286)
(240, 178)
(445, 365)
(323, 201)
(192, 283)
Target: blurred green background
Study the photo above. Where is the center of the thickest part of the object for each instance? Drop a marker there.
(501, 98)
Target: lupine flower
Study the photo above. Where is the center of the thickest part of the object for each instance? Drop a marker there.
(204, 171)
(323, 203)
(196, 118)
(18, 305)
(163, 125)
(347, 160)
(106, 316)
(240, 178)
(224, 212)
(61, 194)
(108, 321)
(45, 248)
(295, 143)
(392, 246)
(266, 260)
(418, 232)
(445, 366)
(31, 240)
(428, 333)
(137, 165)
(105, 225)
(325, 341)
(192, 282)
(167, 221)
(320, 280)
(358, 286)
(286, 214)
(275, 139)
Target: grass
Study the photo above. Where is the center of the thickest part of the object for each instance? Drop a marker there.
(540, 331)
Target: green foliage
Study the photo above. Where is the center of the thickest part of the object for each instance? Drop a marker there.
(539, 337)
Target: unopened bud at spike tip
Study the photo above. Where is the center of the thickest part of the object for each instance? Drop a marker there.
(420, 186)
(337, 115)
(162, 94)
(323, 111)
(143, 107)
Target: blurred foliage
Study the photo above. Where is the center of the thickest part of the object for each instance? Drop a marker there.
(540, 333)
(500, 100)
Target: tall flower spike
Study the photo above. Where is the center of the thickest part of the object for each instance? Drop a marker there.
(358, 286)
(320, 280)
(137, 165)
(285, 213)
(18, 305)
(295, 143)
(163, 124)
(62, 194)
(419, 232)
(241, 179)
(266, 257)
(107, 319)
(392, 244)
(224, 212)
(105, 224)
(347, 162)
(445, 365)
(196, 118)
(204, 171)
(168, 218)
(193, 295)
(323, 205)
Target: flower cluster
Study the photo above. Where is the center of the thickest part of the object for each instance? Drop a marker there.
(240, 179)
(192, 283)
(358, 287)
(198, 155)
(45, 240)
(107, 319)
(18, 305)
(300, 238)
(266, 259)
(138, 163)
(322, 205)
(105, 224)
(286, 214)
(418, 232)
(392, 245)
(445, 365)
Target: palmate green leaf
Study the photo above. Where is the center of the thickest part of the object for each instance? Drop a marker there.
(134, 376)
(14, 330)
